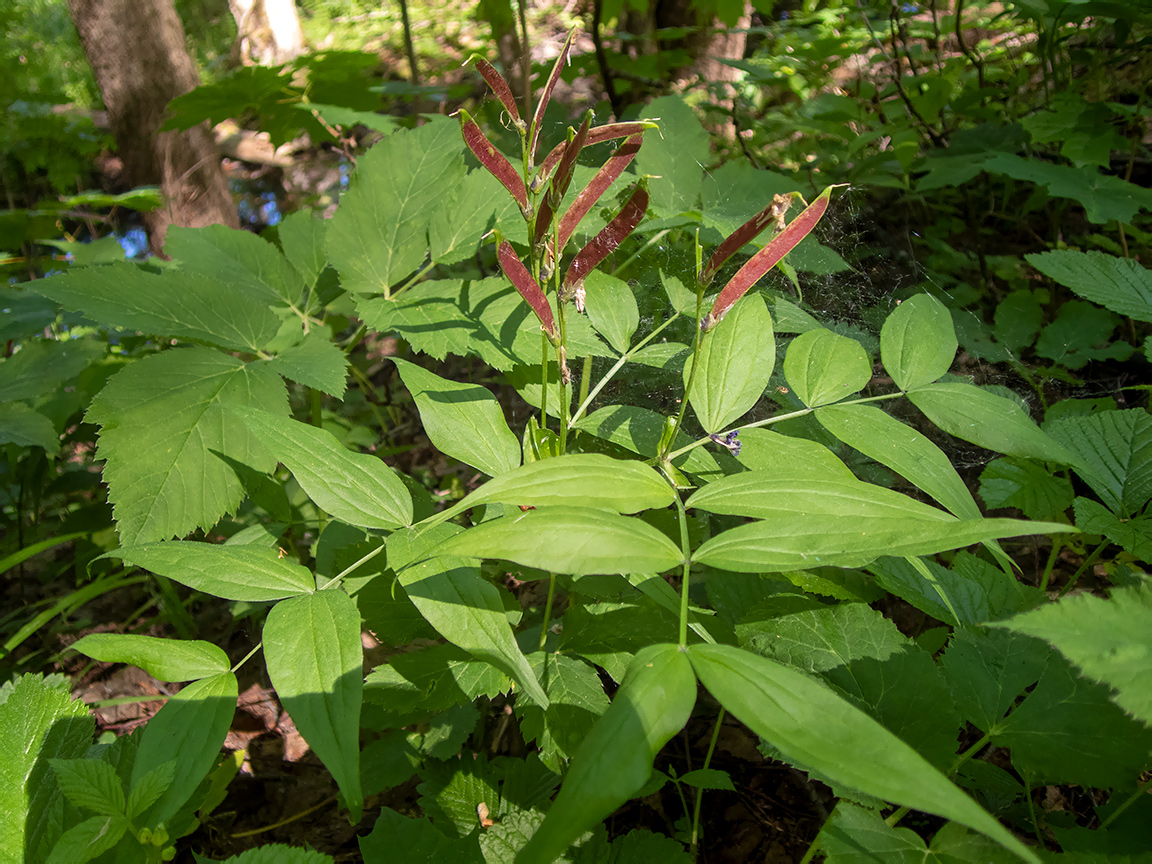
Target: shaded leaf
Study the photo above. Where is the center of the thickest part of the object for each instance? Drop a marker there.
(165, 659)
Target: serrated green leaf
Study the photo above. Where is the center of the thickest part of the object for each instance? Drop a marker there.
(42, 365)
(615, 759)
(675, 158)
(708, 778)
(24, 427)
(165, 659)
(397, 839)
(184, 305)
(823, 367)
(432, 679)
(906, 451)
(239, 262)
(379, 234)
(245, 573)
(315, 362)
(1018, 318)
(1026, 485)
(90, 839)
(918, 342)
(166, 435)
(1117, 446)
(356, 488)
(24, 313)
(468, 612)
(1133, 535)
(1119, 284)
(302, 236)
(639, 429)
(90, 785)
(190, 730)
(1081, 333)
(280, 853)
(1103, 196)
(736, 360)
(314, 656)
(458, 224)
(463, 421)
(988, 669)
(147, 790)
(612, 309)
(1109, 640)
(575, 540)
(576, 699)
(811, 724)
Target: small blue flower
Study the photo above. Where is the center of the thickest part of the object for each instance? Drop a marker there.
(731, 441)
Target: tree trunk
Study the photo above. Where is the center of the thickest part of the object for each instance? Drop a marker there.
(268, 31)
(138, 54)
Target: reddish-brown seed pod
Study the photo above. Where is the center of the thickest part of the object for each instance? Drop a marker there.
(500, 88)
(562, 179)
(522, 280)
(773, 213)
(591, 193)
(767, 258)
(538, 117)
(607, 241)
(598, 135)
(492, 159)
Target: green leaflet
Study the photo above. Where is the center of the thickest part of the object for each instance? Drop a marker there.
(232, 572)
(823, 367)
(165, 659)
(165, 428)
(189, 729)
(356, 488)
(184, 305)
(1117, 446)
(615, 760)
(397, 839)
(577, 540)
(302, 236)
(675, 159)
(457, 226)
(811, 724)
(90, 839)
(576, 698)
(857, 835)
(736, 360)
(468, 612)
(918, 342)
(316, 362)
(903, 449)
(42, 365)
(239, 261)
(796, 542)
(1119, 284)
(581, 479)
(611, 307)
(24, 427)
(91, 785)
(379, 234)
(463, 421)
(638, 429)
(314, 656)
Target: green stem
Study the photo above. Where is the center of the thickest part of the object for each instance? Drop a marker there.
(1032, 814)
(1088, 562)
(697, 341)
(585, 377)
(686, 551)
(544, 381)
(1048, 567)
(363, 560)
(547, 610)
(416, 277)
(1128, 802)
(699, 791)
(587, 400)
(655, 238)
(247, 657)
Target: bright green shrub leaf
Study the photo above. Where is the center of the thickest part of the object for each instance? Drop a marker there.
(822, 367)
(468, 612)
(90, 785)
(795, 542)
(987, 420)
(809, 723)
(576, 699)
(870, 663)
(379, 234)
(38, 722)
(615, 759)
(906, 451)
(165, 659)
(354, 487)
(231, 572)
(612, 309)
(432, 679)
(280, 853)
(147, 790)
(24, 427)
(857, 835)
(463, 421)
(315, 362)
(639, 429)
(768, 495)
(184, 305)
(1109, 640)
(918, 342)
(765, 450)
(190, 730)
(988, 669)
(736, 360)
(1026, 485)
(397, 839)
(302, 237)
(314, 655)
(1119, 284)
(166, 433)
(458, 223)
(575, 540)
(1133, 535)
(239, 261)
(583, 479)
(675, 158)
(90, 839)
(1117, 446)
(42, 365)
(1081, 333)
(1067, 731)
(971, 592)
(1104, 197)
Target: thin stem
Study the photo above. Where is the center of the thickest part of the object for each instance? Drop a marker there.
(1128, 802)
(247, 657)
(1053, 556)
(543, 381)
(655, 238)
(547, 611)
(686, 552)
(363, 560)
(1032, 815)
(1088, 562)
(416, 277)
(587, 400)
(699, 791)
(585, 377)
(697, 341)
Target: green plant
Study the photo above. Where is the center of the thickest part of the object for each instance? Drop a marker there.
(678, 548)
